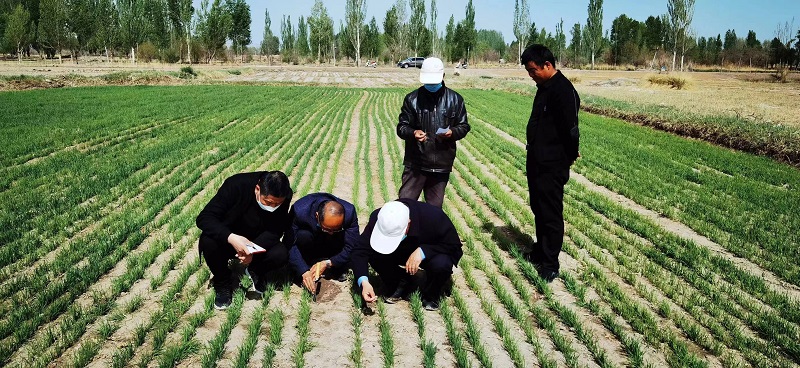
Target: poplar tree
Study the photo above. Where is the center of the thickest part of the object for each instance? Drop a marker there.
(270, 43)
(287, 39)
(17, 30)
(356, 12)
(416, 24)
(239, 25)
(522, 24)
(181, 12)
(321, 27)
(302, 38)
(52, 30)
(594, 28)
(680, 14)
(434, 30)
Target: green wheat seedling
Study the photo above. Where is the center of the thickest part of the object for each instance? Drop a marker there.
(428, 348)
(186, 344)
(108, 264)
(386, 340)
(500, 326)
(719, 299)
(471, 329)
(276, 320)
(454, 335)
(567, 315)
(515, 309)
(686, 297)
(303, 328)
(248, 347)
(544, 319)
(357, 354)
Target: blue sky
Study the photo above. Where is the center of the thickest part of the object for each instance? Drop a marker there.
(711, 17)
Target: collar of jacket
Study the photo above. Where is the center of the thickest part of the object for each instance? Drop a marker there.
(433, 95)
(549, 83)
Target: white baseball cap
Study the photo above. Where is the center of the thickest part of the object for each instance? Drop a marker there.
(432, 71)
(390, 227)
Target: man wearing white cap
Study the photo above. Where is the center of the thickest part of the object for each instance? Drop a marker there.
(432, 119)
(412, 235)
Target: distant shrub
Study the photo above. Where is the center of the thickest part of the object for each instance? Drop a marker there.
(169, 55)
(781, 74)
(147, 52)
(574, 79)
(117, 77)
(187, 72)
(235, 72)
(673, 81)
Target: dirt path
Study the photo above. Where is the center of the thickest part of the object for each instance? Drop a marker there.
(676, 228)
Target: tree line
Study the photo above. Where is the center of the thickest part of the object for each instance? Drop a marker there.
(219, 30)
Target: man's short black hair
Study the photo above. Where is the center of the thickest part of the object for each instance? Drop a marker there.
(275, 183)
(333, 207)
(538, 54)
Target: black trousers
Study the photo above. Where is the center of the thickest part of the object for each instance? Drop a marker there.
(438, 270)
(546, 189)
(416, 182)
(217, 255)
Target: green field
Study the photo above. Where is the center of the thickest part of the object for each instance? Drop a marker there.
(98, 262)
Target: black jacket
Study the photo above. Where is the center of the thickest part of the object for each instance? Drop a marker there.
(430, 230)
(234, 210)
(337, 246)
(426, 111)
(552, 130)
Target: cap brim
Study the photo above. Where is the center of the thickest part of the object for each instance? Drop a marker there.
(384, 244)
(431, 77)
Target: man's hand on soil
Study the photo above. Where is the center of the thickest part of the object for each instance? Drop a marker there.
(367, 292)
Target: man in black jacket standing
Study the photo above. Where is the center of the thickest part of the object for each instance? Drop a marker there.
(249, 208)
(432, 119)
(324, 231)
(412, 235)
(552, 135)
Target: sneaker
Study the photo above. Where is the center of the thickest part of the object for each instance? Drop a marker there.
(399, 294)
(259, 283)
(548, 276)
(223, 298)
(238, 270)
(430, 305)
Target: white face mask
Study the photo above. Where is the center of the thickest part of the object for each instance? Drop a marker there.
(266, 208)
(263, 206)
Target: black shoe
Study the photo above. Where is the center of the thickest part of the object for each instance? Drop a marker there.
(430, 305)
(223, 298)
(238, 270)
(548, 276)
(400, 293)
(259, 283)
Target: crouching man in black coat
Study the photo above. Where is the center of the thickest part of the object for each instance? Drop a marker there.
(249, 208)
(401, 238)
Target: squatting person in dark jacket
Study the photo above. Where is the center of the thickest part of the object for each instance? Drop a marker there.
(323, 232)
(552, 135)
(249, 208)
(412, 235)
(431, 120)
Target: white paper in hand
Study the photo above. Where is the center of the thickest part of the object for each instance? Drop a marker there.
(254, 248)
(441, 131)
